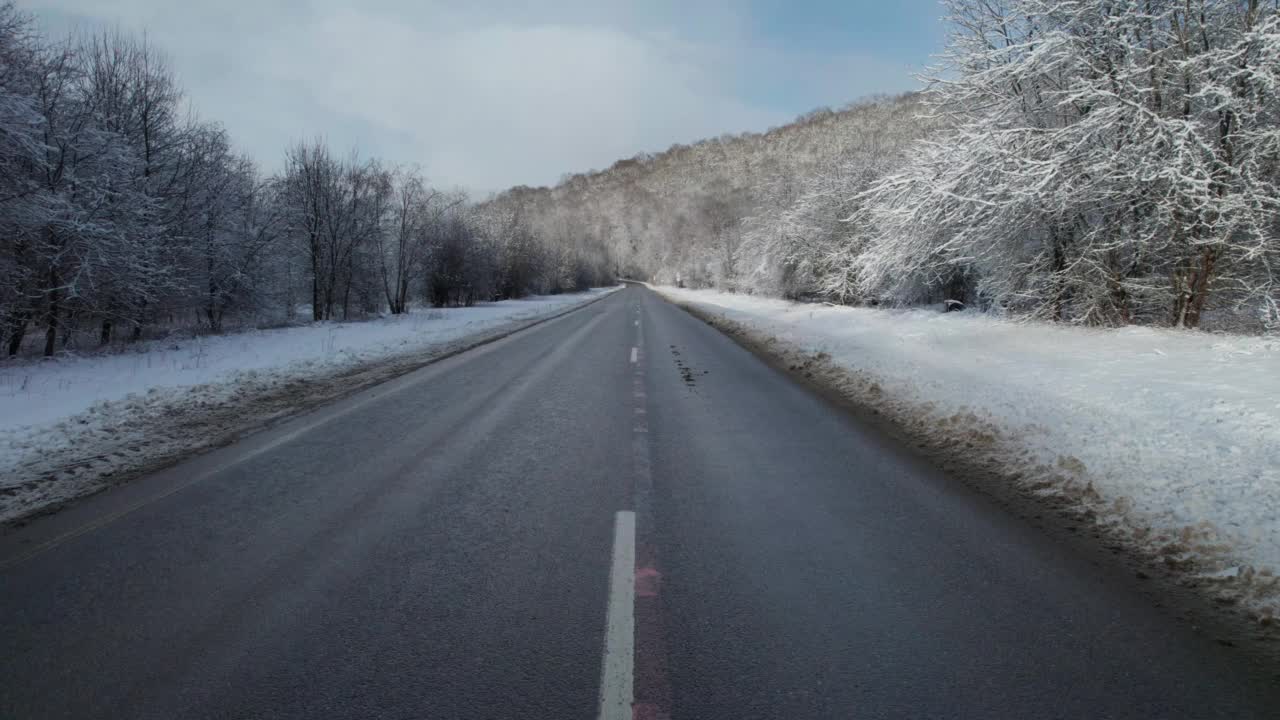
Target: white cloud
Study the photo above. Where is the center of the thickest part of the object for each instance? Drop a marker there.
(483, 98)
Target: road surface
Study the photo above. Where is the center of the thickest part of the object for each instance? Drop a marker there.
(617, 513)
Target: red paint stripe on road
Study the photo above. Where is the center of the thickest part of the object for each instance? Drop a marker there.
(645, 711)
(647, 580)
(652, 686)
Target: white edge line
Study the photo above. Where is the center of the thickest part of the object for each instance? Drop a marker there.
(617, 677)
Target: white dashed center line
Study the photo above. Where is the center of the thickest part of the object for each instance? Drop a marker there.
(616, 682)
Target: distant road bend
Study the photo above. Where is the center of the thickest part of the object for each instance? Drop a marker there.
(619, 513)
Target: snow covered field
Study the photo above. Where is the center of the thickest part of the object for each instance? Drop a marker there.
(1172, 439)
(70, 424)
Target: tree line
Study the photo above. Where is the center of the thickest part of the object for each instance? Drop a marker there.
(1101, 162)
(123, 214)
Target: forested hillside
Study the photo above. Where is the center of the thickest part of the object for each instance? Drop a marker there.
(758, 211)
(1090, 161)
(124, 214)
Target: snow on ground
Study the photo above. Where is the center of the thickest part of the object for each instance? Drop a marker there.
(1170, 437)
(70, 425)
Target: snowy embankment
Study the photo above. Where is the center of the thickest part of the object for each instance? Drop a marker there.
(1168, 439)
(73, 425)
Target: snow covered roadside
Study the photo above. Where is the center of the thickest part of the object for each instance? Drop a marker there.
(1167, 440)
(72, 426)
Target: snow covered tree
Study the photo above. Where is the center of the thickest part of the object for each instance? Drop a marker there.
(337, 209)
(1112, 161)
(402, 247)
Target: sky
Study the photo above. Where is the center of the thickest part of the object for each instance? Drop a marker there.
(487, 94)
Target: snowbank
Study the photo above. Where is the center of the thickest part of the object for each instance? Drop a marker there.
(1171, 437)
(70, 424)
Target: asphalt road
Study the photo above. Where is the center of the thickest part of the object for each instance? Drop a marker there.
(456, 544)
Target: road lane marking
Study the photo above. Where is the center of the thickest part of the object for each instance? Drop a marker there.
(618, 676)
(635, 354)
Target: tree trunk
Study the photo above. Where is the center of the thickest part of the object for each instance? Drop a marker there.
(17, 331)
(1194, 289)
(51, 320)
(1200, 287)
(104, 337)
(212, 312)
(402, 294)
(317, 312)
(1058, 268)
(138, 317)
(51, 331)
